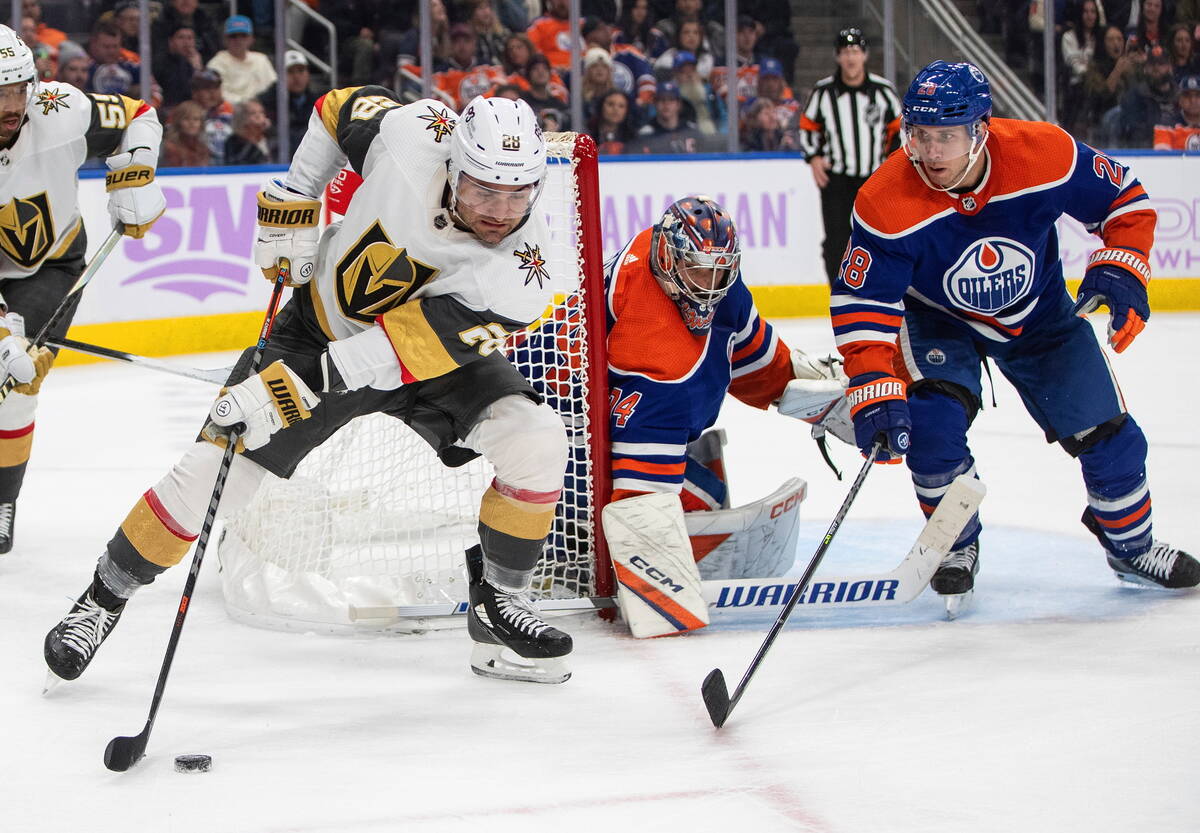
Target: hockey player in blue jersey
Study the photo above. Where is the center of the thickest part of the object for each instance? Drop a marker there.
(954, 256)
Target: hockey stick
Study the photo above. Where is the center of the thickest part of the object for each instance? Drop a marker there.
(123, 752)
(899, 586)
(715, 692)
(43, 334)
(216, 375)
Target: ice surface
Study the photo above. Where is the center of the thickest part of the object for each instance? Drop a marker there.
(1061, 701)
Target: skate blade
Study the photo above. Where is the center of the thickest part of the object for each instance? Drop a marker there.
(52, 682)
(501, 663)
(958, 603)
(1139, 581)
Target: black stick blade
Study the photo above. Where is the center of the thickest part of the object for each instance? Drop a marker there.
(122, 753)
(716, 697)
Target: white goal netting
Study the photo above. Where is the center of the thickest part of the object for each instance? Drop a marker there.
(372, 522)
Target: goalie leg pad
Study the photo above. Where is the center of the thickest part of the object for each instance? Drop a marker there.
(757, 540)
(658, 584)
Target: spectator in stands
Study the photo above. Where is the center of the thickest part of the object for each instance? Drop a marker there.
(73, 64)
(463, 46)
(510, 91)
(702, 106)
(1150, 100)
(1106, 80)
(110, 73)
(300, 99)
(1151, 25)
(606, 10)
(186, 11)
(244, 72)
(183, 143)
(127, 18)
(762, 129)
(490, 35)
(518, 50)
(597, 76)
(50, 37)
(43, 59)
(689, 37)
(218, 113)
(1079, 45)
(1182, 131)
(551, 120)
(1183, 51)
(775, 36)
(514, 14)
(668, 131)
(748, 58)
(711, 32)
(549, 34)
(408, 48)
(614, 122)
(540, 93)
(636, 28)
(463, 78)
(632, 73)
(175, 67)
(248, 144)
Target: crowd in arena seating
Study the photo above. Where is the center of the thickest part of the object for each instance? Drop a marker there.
(1128, 70)
(654, 72)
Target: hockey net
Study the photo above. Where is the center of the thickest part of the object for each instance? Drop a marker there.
(373, 521)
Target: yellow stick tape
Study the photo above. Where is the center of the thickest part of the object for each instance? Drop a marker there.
(235, 331)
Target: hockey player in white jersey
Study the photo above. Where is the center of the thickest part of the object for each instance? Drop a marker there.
(47, 130)
(400, 309)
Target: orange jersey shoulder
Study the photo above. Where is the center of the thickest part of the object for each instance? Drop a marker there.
(895, 198)
(649, 336)
(1026, 155)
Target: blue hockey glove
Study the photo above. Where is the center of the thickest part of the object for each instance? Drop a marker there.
(879, 407)
(1124, 293)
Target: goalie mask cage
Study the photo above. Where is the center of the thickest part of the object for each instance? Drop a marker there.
(373, 519)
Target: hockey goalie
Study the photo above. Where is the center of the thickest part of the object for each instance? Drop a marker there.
(682, 333)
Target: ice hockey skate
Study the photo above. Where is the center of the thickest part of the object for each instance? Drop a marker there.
(512, 641)
(1160, 566)
(955, 578)
(72, 643)
(8, 520)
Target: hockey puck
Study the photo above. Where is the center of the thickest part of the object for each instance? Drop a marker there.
(193, 763)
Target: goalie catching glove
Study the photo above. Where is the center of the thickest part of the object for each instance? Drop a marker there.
(287, 229)
(273, 399)
(134, 199)
(818, 396)
(25, 364)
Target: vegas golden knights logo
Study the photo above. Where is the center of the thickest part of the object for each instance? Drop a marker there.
(26, 229)
(374, 276)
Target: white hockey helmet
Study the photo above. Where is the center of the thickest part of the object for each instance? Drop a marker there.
(16, 59)
(497, 141)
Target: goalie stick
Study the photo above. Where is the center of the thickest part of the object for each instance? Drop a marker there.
(896, 587)
(124, 751)
(947, 522)
(216, 375)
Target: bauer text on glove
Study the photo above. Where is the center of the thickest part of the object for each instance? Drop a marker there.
(134, 198)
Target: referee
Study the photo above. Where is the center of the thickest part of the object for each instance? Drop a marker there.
(848, 126)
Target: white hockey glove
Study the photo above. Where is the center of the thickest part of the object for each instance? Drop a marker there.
(273, 399)
(134, 198)
(365, 359)
(287, 228)
(27, 365)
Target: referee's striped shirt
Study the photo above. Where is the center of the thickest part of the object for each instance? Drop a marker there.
(853, 127)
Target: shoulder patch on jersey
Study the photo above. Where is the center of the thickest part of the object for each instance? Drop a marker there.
(441, 122)
(51, 99)
(533, 263)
